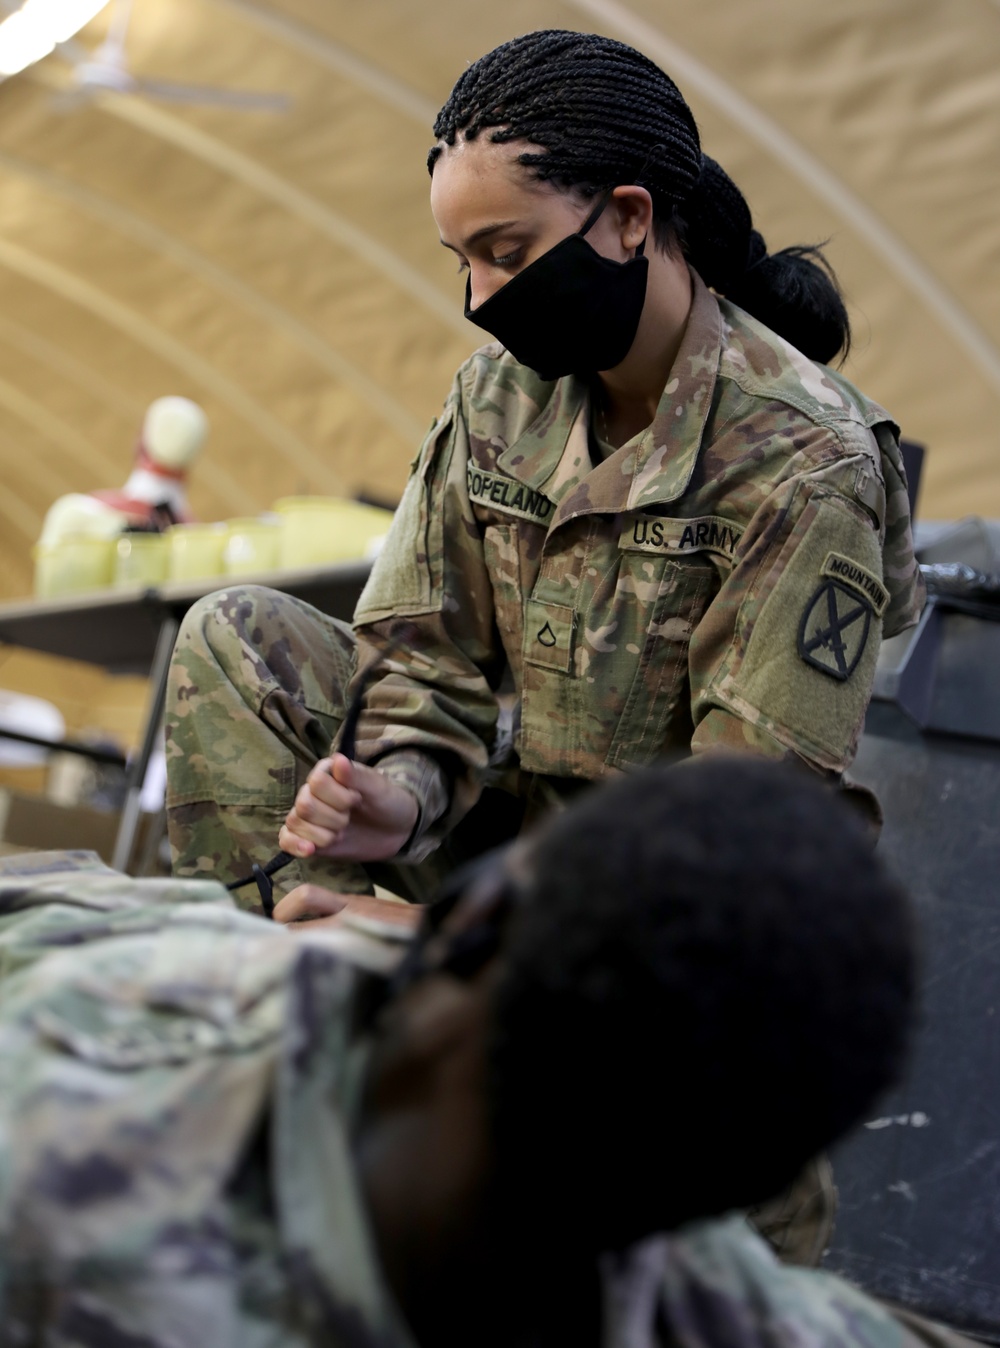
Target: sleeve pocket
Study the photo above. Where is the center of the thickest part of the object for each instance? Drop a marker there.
(407, 575)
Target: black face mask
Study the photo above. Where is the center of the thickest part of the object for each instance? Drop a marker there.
(572, 311)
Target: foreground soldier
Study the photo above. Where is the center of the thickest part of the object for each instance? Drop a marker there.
(213, 1133)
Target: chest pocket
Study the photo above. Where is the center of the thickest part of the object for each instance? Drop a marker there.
(610, 691)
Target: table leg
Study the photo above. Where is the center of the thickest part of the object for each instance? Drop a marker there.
(136, 772)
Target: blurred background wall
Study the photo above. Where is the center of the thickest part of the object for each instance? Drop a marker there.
(282, 268)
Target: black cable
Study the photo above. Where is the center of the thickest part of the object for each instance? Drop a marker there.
(261, 875)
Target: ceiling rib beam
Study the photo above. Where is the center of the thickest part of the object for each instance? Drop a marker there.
(74, 445)
(240, 167)
(25, 519)
(86, 296)
(20, 516)
(825, 184)
(322, 50)
(39, 348)
(368, 391)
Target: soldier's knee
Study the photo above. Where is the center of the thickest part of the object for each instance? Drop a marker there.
(259, 641)
(223, 634)
(233, 621)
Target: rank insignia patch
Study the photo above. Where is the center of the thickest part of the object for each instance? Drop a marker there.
(834, 630)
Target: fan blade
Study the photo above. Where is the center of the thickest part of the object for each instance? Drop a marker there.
(72, 52)
(203, 93)
(70, 100)
(114, 44)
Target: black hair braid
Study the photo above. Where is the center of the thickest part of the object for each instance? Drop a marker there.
(555, 89)
(793, 292)
(601, 114)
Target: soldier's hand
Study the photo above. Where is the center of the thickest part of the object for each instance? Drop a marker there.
(309, 906)
(310, 902)
(348, 811)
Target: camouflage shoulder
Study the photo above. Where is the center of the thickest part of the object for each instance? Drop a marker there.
(723, 1266)
(133, 1073)
(81, 879)
(489, 381)
(501, 398)
(764, 364)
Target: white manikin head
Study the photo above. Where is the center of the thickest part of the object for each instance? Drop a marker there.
(173, 432)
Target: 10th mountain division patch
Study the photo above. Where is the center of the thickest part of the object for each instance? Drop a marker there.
(834, 629)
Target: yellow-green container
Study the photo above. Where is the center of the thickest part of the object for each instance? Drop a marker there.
(252, 545)
(196, 550)
(318, 529)
(141, 559)
(73, 566)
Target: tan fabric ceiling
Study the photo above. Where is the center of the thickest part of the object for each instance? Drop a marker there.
(283, 269)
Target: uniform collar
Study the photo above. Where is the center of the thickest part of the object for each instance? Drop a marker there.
(669, 448)
(552, 455)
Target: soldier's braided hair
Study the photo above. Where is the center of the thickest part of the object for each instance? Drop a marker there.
(603, 114)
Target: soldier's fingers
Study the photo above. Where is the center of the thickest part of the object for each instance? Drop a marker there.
(303, 832)
(290, 842)
(326, 787)
(311, 924)
(307, 901)
(310, 809)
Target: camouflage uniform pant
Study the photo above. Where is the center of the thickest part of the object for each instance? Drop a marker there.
(256, 695)
(254, 699)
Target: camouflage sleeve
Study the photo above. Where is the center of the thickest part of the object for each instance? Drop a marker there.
(423, 777)
(784, 659)
(716, 1281)
(425, 621)
(899, 565)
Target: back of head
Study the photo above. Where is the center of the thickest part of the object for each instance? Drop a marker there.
(711, 980)
(173, 432)
(602, 114)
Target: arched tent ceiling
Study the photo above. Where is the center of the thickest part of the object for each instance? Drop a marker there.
(283, 269)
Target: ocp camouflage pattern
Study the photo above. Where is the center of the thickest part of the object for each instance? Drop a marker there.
(254, 698)
(651, 600)
(716, 1283)
(176, 1081)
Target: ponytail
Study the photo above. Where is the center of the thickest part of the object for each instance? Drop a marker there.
(794, 292)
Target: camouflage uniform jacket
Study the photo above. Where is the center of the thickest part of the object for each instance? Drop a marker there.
(724, 579)
(175, 1079)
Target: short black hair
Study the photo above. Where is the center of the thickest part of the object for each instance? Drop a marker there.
(604, 115)
(709, 980)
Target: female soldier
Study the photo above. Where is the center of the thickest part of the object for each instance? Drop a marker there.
(648, 511)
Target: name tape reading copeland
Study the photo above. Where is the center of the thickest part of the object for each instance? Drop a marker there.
(507, 495)
(653, 533)
(857, 578)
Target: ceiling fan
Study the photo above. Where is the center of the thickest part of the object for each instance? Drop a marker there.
(105, 69)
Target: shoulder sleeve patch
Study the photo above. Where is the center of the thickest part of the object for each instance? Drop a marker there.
(813, 635)
(834, 630)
